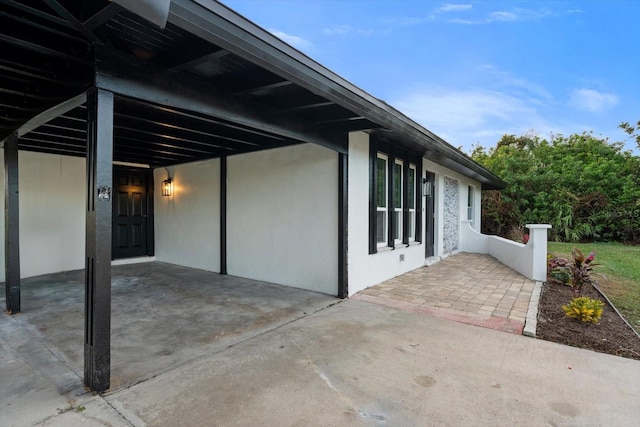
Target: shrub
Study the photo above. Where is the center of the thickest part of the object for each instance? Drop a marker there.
(559, 268)
(581, 270)
(575, 273)
(584, 309)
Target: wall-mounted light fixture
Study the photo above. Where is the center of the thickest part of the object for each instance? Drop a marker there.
(167, 186)
(426, 187)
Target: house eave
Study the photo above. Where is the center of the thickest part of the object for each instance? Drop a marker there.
(233, 32)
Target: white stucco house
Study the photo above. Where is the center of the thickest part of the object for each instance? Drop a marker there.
(183, 133)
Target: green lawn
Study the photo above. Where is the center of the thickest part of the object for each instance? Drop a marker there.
(621, 266)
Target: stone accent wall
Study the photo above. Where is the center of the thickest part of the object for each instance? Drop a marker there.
(451, 214)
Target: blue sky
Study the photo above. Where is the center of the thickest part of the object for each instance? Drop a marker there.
(472, 71)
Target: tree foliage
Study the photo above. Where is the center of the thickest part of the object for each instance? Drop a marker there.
(584, 186)
(633, 131)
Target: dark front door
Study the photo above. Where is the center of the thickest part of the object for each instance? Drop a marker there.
(131, 208)
(429, 212)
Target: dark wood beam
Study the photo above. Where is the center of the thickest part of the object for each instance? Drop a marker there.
(223, 27)
(52, 113)
(97, 345)
(144, 81)
(191, 59)
(36, 12)
(308, 106)
(100, 18)
(23, 44)
(11, 226)
(75, 23)
(203, 123)
(264, 88)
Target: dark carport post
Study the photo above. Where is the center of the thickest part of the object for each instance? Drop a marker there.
(97, 328)
(11, 226)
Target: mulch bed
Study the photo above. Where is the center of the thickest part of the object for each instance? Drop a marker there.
(610, 335)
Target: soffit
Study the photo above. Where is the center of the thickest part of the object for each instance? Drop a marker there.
(48, 57)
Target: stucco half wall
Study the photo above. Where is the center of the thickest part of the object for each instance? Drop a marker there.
(52, 213)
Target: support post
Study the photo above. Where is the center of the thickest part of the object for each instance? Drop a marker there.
(11, 226)
(97, 345)
(223, 215)
(343, 212)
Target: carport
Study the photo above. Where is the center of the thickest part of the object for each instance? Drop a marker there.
(163, 316)
(160, 86)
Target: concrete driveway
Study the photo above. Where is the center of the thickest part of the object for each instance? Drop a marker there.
(352, 363)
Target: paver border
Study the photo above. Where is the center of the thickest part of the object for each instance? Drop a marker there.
(531, 322)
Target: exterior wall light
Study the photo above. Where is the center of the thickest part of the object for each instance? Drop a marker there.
(167, 187)
(426, 187)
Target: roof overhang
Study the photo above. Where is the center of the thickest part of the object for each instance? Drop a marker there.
(209, 64)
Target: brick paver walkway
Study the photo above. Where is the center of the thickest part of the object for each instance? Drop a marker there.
(470, 288)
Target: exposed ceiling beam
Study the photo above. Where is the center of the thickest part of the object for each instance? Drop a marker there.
(191, 59)
(41, 49)
(264, 88)
(52, 113)
(102, 17)
(308, 106)
(142, 80)
(165, 111)
(36, 12)
(45, 28)
(218, 24)
(75, 23)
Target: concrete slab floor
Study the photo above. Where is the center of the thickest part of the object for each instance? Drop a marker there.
(162, 316)
(357, 363)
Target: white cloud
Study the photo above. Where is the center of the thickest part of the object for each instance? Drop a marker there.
(466, 117)
(503, 16)
(519, 15)
(451, 7)
(592, 101)
(463, 109)
(464, 21)
(295, 41)
(343, 30)
(514, 15)
(517, 85)
(338, 30)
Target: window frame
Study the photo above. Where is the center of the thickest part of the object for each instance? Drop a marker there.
(398, 211)
(385, 207)
(407, 160)
(411, 211)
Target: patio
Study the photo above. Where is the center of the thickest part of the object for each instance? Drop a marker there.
(469, 288)
(163, 316)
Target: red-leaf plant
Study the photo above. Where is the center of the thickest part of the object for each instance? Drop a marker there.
(581, 270)
(575, 273)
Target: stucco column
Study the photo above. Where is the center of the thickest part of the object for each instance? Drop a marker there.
(538, 242)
